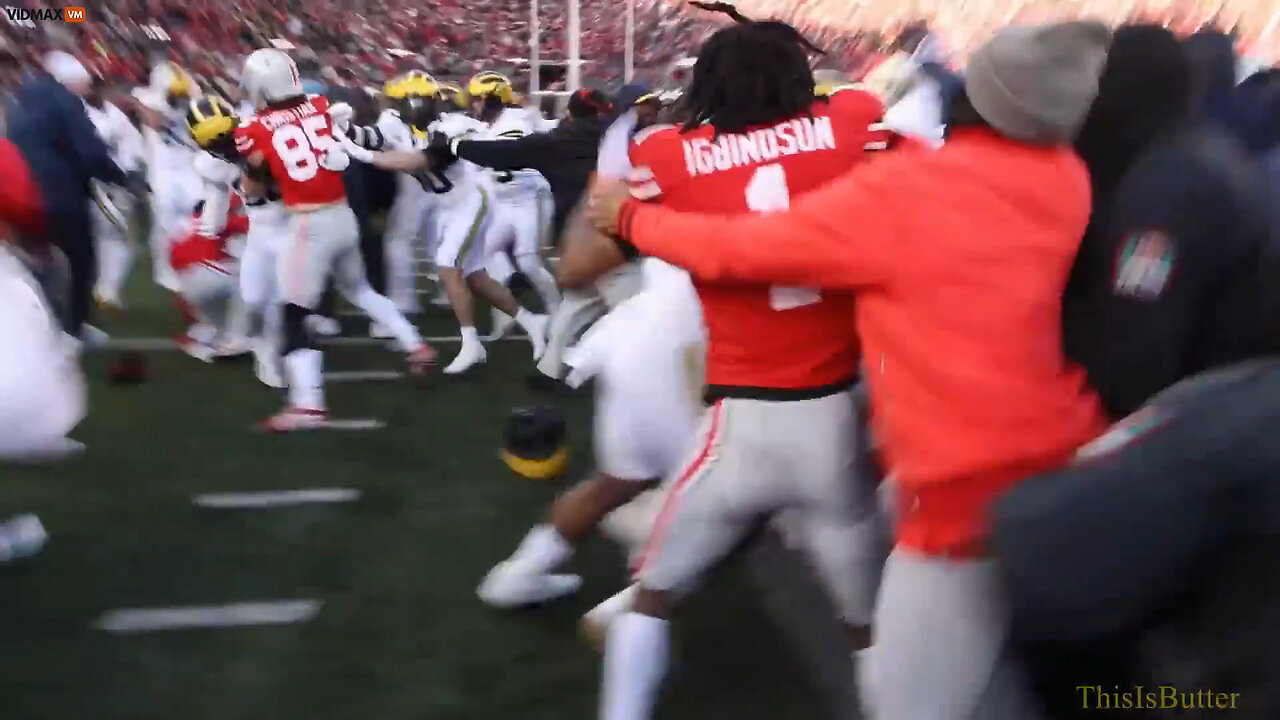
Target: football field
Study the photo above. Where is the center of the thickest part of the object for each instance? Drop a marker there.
(372, 596)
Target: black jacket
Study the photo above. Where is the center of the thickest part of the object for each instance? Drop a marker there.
(1170, 277)
(566, 157)
(53, 132)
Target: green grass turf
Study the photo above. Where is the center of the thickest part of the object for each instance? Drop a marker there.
(401, 634)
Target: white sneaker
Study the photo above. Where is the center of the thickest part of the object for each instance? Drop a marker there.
(21, 537)
(294, 419)
(538, 334)
(378, 331)
(197, 350)
(266, 366)
(468, 357)
(511, 586)
(594, 625)
(500, 326)
(325, 326)
(232, 347)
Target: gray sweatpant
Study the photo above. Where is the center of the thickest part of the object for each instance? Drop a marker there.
(941, 645)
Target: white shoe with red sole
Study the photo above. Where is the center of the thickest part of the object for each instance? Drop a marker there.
(295, 419)
(422, 361)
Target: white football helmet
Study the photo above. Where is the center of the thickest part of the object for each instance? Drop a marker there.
(270, 76)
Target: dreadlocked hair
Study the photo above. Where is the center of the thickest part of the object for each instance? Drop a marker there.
(750, 73)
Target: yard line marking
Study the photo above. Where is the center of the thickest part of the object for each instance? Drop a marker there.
(334, 424)
(165, 344)
(278, 612)
(275, 498)
(428, 275)
(353, 424)
(362, 375)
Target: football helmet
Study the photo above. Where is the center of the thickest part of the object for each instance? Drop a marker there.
(270, 76)
(419, 111)
(535, 443)
(491, 84)
(454, 94)
(414, 82)
(211, 122)
(172, 83)
(487, 93)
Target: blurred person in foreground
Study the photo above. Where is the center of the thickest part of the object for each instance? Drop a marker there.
(1173, 278)
(1170, 277)
(958, 258)
(42, 393)
(52, 130)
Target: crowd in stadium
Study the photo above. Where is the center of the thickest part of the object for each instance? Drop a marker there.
(984, 322)
(457, 38)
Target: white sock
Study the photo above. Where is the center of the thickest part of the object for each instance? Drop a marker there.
(525, 319)
(469, 335)
(635, 661)
(305, 372)
(541, 279)
(542, 549)
(381, 310)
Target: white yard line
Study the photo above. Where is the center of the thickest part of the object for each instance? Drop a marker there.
(361, 375)
(275, 498)
(274, 612)
(353, 424)
(165, 344)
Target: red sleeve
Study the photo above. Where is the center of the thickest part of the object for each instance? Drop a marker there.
(655, 170)
(247, 140)
(21, 204)
(236, 225)
(814, 244)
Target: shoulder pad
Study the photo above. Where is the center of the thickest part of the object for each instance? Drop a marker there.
(652, 130)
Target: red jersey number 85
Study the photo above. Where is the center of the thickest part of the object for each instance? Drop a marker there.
(299, 146)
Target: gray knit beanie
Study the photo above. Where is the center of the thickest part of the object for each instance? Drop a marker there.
(1036, 83)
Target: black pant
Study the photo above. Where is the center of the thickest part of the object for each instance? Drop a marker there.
(371, 251)
(70, 231)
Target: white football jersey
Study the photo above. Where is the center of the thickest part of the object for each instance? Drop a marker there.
(397, 135)
(169, 147)
(518, 185)
(462, 177)
(122, 138)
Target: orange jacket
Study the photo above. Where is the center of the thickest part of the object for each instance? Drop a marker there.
(959, 256)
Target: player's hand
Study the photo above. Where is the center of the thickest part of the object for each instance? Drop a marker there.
(441, 152)
(440, 145)
(605, 202)
(341, 114)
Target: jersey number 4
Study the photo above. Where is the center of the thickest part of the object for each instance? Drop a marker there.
(298, 145)
(767, 192)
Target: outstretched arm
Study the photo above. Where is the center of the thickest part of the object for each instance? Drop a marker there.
(813, 244)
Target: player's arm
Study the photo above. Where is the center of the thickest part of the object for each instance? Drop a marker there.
(813, 244)
(586, 254)
(534, 152)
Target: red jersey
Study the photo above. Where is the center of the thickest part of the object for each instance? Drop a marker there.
(293, 140)
(772, 338)
(196, 249)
